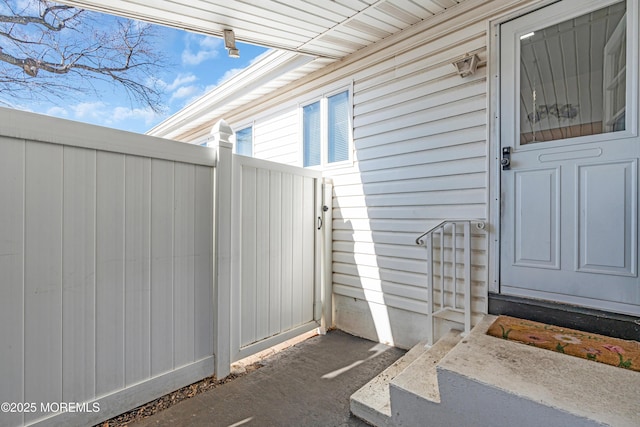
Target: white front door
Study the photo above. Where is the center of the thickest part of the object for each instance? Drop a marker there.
(569, 201)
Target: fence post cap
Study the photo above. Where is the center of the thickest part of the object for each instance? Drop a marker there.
(221, 131)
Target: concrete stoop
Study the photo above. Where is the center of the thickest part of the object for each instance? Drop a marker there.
(371, 403)
(415, 372)
(481, 380)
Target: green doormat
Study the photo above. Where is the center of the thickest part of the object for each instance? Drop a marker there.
(600, 348)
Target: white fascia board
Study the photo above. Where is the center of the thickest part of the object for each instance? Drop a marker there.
(269, 66)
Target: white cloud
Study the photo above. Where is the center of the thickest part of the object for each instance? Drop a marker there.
(226, 76)
(123, 113)
(200, 48)
(229, 73)
(57, 112)
(185, 92)
(104, 114)
(195, 58)
(181, 79)
(209, 42)
(209, 88)
(86, 110)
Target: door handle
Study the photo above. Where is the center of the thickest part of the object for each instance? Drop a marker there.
(505, 161)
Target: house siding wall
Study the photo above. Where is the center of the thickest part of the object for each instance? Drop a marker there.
(420, 135)
(275, 136)
(420, 157)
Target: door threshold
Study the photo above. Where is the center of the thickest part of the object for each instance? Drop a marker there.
(567, 316)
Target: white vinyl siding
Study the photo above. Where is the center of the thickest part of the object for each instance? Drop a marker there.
(420, 142)
(420, 155)
(275, 136)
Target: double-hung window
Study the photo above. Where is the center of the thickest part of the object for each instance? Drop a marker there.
(326, 130)
(244, 141)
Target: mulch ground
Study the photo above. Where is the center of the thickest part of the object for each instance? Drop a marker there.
(171, 399)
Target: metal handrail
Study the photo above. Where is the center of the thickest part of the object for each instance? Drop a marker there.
(480, 225)
(466, 310)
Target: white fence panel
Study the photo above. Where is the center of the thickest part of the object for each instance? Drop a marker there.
(276, 292)
(106, 268)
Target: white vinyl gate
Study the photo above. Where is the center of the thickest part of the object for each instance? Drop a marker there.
(277, 293)
(273, 246)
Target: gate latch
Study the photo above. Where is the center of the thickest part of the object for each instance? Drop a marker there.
(324, 209)
(506, 158)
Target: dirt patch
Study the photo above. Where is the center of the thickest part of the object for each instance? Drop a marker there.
(171, 399)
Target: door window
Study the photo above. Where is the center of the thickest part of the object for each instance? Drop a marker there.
(573, 77)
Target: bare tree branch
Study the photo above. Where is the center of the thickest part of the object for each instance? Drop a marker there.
(57, 23)
(52, 50)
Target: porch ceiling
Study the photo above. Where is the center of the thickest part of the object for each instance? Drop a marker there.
(321, 28)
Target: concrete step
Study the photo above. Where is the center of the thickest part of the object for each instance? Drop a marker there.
(415, 371)
(371, 403)
(419, 380)
(487, 381)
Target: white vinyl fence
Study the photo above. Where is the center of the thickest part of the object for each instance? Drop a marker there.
(131, 266)
(106, 265)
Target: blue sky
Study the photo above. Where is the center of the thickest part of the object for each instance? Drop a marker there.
(198, 64)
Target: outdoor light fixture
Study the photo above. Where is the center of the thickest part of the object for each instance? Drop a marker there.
(230, 43)
(466, 65)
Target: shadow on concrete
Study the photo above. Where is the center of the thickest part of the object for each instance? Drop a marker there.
(306, 385)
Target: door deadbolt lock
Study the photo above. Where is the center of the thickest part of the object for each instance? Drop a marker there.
(506, 158)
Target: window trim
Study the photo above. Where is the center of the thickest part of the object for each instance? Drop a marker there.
(323, 98)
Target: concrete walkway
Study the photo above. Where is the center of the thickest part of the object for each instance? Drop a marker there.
(305, 385)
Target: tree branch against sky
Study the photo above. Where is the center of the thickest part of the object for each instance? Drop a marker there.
(52, 51)
(105, 70)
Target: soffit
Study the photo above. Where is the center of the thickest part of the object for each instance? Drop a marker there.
(271, 71)
(320, 28)
(309, 34)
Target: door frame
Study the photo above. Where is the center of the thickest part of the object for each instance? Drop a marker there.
(494, 112)
(494, 121)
